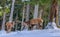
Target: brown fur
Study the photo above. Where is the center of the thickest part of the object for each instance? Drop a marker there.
(9, 26)
(34, 22)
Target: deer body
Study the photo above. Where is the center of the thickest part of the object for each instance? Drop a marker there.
(34, 22)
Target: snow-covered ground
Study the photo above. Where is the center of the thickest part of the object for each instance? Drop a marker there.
(50, 31)
(32, 33)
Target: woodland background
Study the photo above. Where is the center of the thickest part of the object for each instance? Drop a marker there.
(25, 10)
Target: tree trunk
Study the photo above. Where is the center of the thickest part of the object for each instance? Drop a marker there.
(23, 17)
(4, 15)
(59, 14)
(12, 9)
(54, 11)
(27, 12)
(40, 13)
(3, 24)
(16, 21)
(35, 15)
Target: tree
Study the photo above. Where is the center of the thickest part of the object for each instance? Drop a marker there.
(12, 9)
(54, 11)
(23, 16)
(4, 14)
(35, 15)
(27, 12)
(3, 24)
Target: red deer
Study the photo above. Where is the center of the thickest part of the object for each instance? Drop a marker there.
(34, 22)
(9, 26)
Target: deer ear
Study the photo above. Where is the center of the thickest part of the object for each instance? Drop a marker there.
(11, 22)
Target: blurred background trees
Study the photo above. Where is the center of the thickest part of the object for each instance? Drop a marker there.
(40, 7)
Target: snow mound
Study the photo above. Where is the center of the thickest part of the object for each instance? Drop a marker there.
(51, 25)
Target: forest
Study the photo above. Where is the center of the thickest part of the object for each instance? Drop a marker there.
(25, 11)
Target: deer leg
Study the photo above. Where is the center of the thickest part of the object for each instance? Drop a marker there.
(40, 26)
